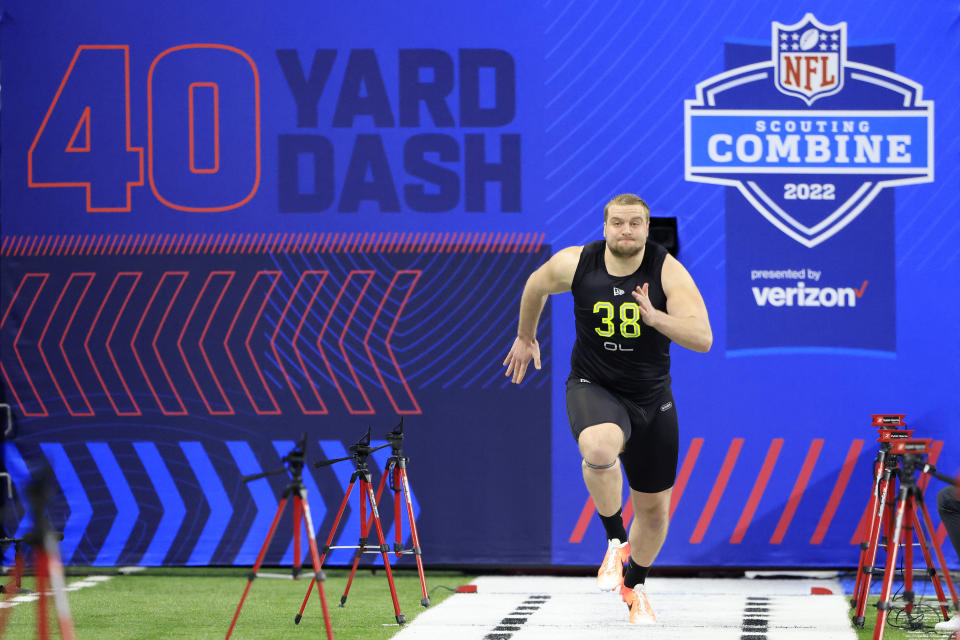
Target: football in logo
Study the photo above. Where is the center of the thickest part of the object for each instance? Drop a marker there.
(808, 40)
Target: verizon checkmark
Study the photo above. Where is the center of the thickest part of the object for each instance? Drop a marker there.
(862, 288)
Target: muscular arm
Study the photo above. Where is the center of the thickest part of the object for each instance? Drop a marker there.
(686, 321)
(555, 276)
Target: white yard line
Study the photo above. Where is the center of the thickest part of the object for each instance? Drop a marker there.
(552, 608)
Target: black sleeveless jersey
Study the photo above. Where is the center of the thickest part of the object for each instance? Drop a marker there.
(614, 348)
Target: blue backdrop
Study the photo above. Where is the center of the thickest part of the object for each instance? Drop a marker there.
(225, 225)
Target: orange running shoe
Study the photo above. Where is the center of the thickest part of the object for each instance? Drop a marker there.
(610, 575)
(640, 610)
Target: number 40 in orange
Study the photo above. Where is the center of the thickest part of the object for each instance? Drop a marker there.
(202, 129)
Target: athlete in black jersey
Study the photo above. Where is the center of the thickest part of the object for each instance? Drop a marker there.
(631, 300)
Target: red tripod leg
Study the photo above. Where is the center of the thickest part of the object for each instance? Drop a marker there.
(297, 559)
(361, 546)
(405, 486)
(868, 566)
(317, 572)
(883, 605)
(397, 488)
(20, 563)
(865, 543)
(256, 566)
(383, 482)
(333, 531)
(877, 521)
(12, 588)
(58, 587)
(401, 619)
(41, 566)
(365, 525)
(908, 519)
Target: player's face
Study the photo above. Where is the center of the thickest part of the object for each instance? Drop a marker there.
(626, 229)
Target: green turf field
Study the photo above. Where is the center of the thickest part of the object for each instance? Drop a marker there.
(897, 623)
(196, 604)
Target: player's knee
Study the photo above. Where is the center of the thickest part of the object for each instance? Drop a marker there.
(600, 444)
(598, 456)
(654, 514)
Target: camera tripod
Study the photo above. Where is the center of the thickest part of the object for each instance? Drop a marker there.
(396, 470)
(296, 490)
(46, 562)
(359, 454)
(901, 519)
(886, 467)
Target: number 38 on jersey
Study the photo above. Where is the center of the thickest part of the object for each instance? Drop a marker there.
(628, 314)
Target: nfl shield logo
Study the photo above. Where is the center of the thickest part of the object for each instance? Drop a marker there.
(809, 58)
(809, 172)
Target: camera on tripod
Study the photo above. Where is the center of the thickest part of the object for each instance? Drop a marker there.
(296, 492)
(298, 454)
(360, 449)
(916, 447)
(888, 426)
(898, 514)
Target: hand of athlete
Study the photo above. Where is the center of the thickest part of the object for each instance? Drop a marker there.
(647, 312)
(518, 359)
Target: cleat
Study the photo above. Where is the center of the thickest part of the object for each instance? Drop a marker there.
(610, 575)
(640, 610)
(953, 624)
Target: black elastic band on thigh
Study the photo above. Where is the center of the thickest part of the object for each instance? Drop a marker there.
(599, 466)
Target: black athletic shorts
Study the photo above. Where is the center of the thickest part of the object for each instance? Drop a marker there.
(651, 431)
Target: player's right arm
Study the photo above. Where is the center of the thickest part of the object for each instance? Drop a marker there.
(554, 276)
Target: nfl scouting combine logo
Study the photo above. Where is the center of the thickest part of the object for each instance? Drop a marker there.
(809, 137)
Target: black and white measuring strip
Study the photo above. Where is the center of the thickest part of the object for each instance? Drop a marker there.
(517, 618)
(756, 618)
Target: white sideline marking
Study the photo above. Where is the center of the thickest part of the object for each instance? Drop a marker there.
(90, 581)
(127, 570)
(692, 609)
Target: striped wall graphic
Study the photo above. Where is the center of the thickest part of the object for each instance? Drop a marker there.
(716, 501)
(256, 243)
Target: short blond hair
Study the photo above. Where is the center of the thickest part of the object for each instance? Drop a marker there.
(626, 199)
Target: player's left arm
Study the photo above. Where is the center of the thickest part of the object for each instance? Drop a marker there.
(686, 321)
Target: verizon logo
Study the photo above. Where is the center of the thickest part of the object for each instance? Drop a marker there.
(804, 296)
